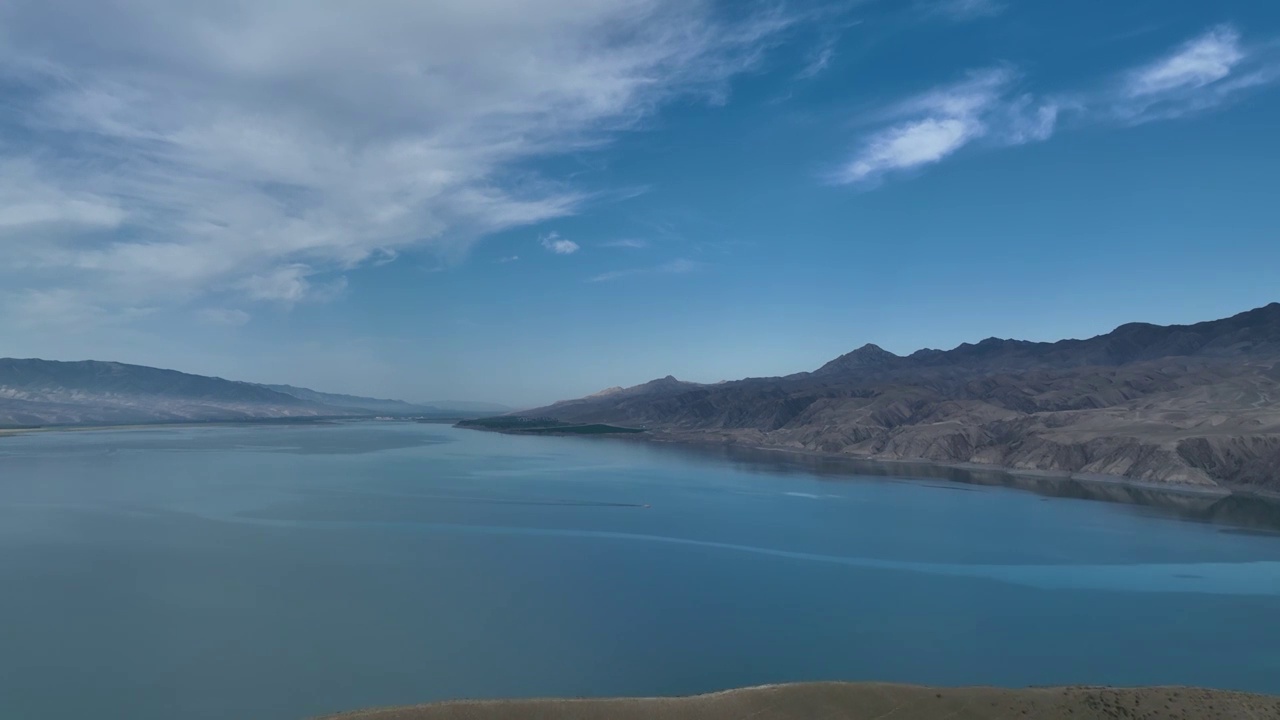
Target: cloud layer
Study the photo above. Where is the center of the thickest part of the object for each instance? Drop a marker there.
(254, 151)
(558, 245)
(1206, 71)
(932, 126)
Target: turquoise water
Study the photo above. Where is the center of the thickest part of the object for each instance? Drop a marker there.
(281, 572)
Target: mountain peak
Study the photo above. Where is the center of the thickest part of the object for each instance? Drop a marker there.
(1268, 310)
(663, 383)
(867, 356)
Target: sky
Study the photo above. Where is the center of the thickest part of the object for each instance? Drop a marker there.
(521, 202)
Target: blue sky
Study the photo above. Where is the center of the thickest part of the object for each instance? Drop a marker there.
(522, 202)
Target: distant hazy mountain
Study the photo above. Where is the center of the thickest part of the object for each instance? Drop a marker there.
(46, 392)
(1197, 404)
(355, 402)
(468, 406)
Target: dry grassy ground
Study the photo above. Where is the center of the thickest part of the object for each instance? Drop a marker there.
(868, 701)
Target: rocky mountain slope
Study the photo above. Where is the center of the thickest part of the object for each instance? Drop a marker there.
(45, 392)
(1187, 404)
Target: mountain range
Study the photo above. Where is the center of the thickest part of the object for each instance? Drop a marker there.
(44, 392)
(1180, 404)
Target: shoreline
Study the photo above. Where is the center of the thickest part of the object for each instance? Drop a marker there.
(316, 420)
(859, 701)
(181, 424)
(692, 441)
(1234, 509)
(1005, 476)
(1029, 473)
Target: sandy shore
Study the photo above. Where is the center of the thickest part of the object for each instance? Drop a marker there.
(867, 701)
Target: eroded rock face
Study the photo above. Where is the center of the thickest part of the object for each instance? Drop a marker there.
(1196, 404)
(1241, 460)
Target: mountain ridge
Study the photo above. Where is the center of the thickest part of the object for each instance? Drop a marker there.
(1183, 404)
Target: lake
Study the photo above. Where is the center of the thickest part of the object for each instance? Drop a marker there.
(287, 571)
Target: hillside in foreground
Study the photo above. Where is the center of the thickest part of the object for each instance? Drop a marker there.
(1181, 404)
(868, 701)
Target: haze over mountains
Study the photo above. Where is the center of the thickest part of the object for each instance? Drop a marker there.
(44, 392)
(353, 402)
(1190, 404)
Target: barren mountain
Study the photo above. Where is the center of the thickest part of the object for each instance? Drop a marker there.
(1186, 404)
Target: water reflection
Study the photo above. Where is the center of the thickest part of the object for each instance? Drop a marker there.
(1244, 512)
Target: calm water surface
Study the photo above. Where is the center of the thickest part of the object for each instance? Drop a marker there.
(282, 572)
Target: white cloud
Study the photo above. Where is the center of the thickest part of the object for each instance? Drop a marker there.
(30, 202)
(931, 127)
(287, 284)
(62, 310)
(1197, 63)
(290, 284)
(171, 150)
(631, 243)
(912, 144)
(558, 245)
(679, 266)
(508, 259)
(1028, 119)
(1205, 72)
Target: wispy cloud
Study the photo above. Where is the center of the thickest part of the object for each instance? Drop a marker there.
(31, 202)
(936, 124)
(290, 284)
(1206, 71)
(173, 153)
(508, 259)
(558, 245)
(675, 267)
(630, 243)
(1201, 61)
(818, 59)
(63, 309)
(962, 10)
